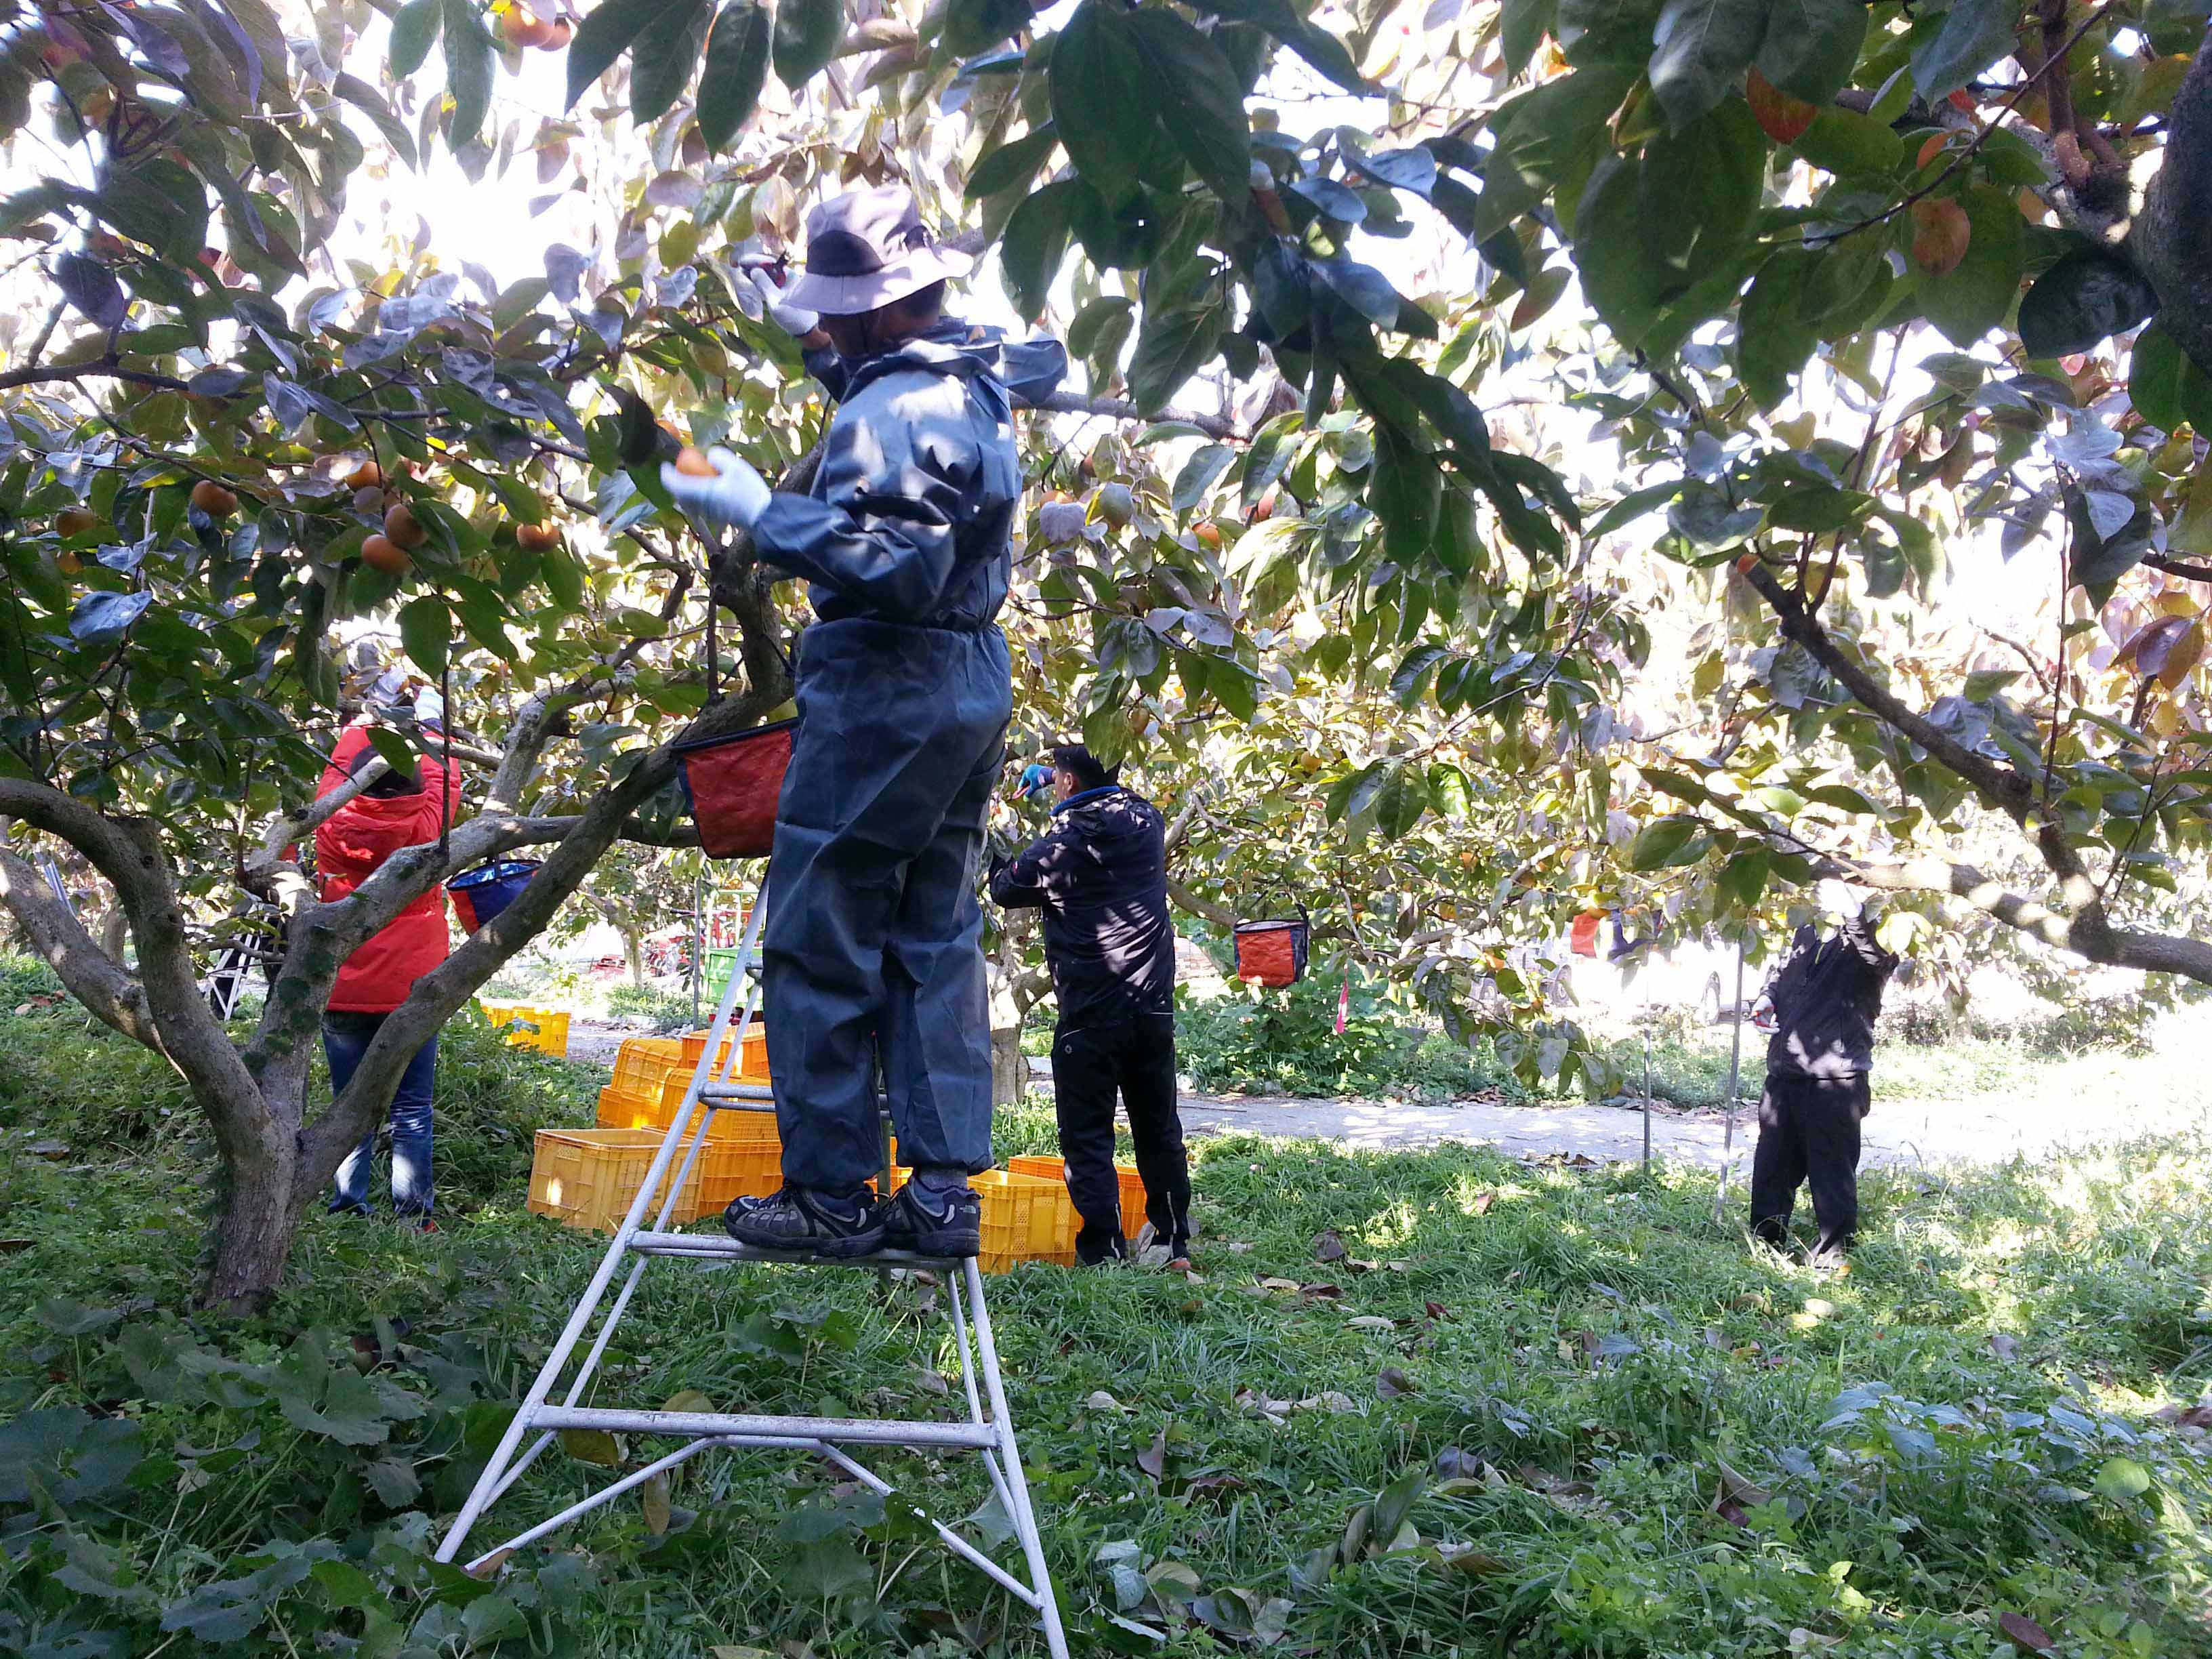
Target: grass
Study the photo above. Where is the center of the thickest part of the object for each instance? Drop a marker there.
(1595, 1423)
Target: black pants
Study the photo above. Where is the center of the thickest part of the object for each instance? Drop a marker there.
(1809, 1132)
(1134, 1058)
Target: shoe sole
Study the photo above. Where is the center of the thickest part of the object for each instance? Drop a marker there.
(946, 1243)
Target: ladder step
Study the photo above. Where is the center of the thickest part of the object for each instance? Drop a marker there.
(723, 1247)
(729, 1094)
(857, 1430)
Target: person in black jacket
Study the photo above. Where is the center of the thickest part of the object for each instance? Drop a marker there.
(1820, 1007)
(1100, 878)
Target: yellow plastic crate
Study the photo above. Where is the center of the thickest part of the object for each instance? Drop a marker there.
(1026, 1218)
(752, 1061)
(1132, 1187)
(552, 1034)
(643, 1064)
(587, 1177)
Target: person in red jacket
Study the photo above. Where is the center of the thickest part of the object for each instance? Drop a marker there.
(397, 811)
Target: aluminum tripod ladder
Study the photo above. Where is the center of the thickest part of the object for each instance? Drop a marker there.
(987, 1430)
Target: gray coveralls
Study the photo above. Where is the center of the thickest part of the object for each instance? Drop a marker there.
(874, 931)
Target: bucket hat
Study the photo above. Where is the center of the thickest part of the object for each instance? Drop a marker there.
(868, 248)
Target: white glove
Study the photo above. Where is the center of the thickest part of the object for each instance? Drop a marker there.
(387, 689)
(735, 496)
(794, 320)
(429, 706)
(1762, 1016)
(1839, 899)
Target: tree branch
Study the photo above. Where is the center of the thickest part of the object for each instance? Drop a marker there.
(2171, 238)
(1117, 409)
(73, 372)
(1219, 914)
(91, 976)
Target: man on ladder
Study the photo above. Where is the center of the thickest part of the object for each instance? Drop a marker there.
(873, 943)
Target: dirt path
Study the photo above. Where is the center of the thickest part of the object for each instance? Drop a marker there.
(1900, 1130)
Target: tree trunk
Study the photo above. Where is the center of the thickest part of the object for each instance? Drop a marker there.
(115, 933)
(1010, 1067)
(634, 949)
(261, 1211)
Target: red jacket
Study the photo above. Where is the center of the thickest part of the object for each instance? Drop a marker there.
(349, 847)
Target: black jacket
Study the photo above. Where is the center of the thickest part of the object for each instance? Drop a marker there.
(1100, 876)
(1826, 996)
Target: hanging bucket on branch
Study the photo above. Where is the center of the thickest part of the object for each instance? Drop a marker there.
(732, 785)
(479, 894)
(1273, 952)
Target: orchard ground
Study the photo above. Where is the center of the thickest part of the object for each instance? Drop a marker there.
(1414, 1401)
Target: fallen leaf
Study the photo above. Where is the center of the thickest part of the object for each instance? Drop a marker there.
(594, 1446)
(690, 1401)
(1393, 1383)
(2003, 1346)
(10, 1246)
(1153, 1460)
(1238, 1248)
(934, 1383)
(1370, 1322)
(1399, 1267)
(1456, 1463)
(2024, 1633)
(491, 1565)
(1327, 1246)
(1352, 1264)
(1435, 1310)
(1103, 1401)
(1474, 1563)
(48, 1149)
(653, 1497)
(1738, 1492)
(1289, 1284)
(1714, 1339)
(1319, 1289)
(1328, 1400)
(1219, 1480)
(727, 1652)
(1481, 1203)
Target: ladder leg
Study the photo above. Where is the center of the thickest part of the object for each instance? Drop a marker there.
(1023, 1517)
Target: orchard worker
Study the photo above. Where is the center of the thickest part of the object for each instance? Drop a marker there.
(1821, 1005)
(1100, 878)
(874, 937)
(399, 809)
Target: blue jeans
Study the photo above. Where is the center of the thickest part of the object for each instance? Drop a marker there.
(346, 1037)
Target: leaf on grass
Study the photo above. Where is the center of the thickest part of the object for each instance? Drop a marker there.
(1736, 1494)
(2123, 1478)
(1328, 1247)
(1331, 1400)
(653, 1499)
(1103, 1401)
(2024, 1633)
(1370, 1322)
(1392, 1384)
(594, 1446)
(1480, 1205)
(1153, 1460)
(2003, 1346)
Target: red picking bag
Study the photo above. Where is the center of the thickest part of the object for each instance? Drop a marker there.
(1584, 937)
(1273, 952)
(732, 785)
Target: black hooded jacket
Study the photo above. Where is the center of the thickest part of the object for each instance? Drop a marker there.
(1101, 877)
(1826, 997)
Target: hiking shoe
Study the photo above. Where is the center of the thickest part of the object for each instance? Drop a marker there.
(934, 1221)
(803, 1219)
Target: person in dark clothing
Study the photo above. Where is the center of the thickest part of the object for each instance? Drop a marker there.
(1820, 1007)
(873, 945)
(1100, 878)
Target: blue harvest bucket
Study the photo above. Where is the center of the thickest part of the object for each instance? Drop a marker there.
(479, 894)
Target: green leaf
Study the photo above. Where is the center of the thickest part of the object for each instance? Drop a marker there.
(1173, 345)
(1199, 474)
(737, 69)
(1607, 31)
(2088, 297)
(2122, 1478)
(1667, 842)
(667, 51)
(1200, 100)
(2166, 387)
(1034, 244)
(1405, 492)
(1974, 35)
(593, 1446)
(1103, 108)
(1975, 296)
(1698, 190)
(1620, 276)
(412, 32)
(370, 102)
(1522, 26)
(157, 202)
(426, 630)
(399, 755)
(807, 35)
(1543, 136)
(468, 71)
(1849, 144)
(605, 36)
(1702, 48)
(1812, 46)
(1013, 164)
(1743, 878)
